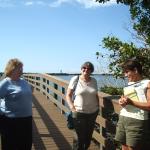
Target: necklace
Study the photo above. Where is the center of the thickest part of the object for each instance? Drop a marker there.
(86, 81)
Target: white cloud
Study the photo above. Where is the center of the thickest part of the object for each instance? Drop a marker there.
(29, 3)
(85, 3)
(58, 3)
(55, 3)
(110, 3)
(88, 3)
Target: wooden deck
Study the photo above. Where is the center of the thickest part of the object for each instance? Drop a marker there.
(49, 126)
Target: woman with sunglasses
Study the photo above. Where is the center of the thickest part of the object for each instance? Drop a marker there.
(84, 106)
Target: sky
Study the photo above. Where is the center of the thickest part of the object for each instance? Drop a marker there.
(52, 36)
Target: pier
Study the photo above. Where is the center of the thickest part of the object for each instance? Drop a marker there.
(50, 130)
(49, 121)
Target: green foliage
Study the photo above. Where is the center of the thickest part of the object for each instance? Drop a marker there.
(140, 15)
(112, 90)
(121, 51)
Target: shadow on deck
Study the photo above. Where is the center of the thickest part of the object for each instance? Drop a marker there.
(49, 126)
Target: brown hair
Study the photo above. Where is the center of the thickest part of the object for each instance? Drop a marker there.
(11, 65)
(131, 65)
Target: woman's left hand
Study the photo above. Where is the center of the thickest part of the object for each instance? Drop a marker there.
(123, 101)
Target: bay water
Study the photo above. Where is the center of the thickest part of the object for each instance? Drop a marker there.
(102, 80)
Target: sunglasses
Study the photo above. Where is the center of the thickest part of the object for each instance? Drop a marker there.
(86, 68)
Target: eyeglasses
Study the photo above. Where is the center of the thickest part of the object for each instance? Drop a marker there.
(86, 68)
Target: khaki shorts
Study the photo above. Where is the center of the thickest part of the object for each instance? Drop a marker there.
(132, 132)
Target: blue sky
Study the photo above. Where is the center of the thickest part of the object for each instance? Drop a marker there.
(54, 35)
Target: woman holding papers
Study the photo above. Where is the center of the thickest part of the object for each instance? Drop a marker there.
(133, 125)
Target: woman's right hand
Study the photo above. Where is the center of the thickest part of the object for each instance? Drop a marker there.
(73, 109)
(123, 101)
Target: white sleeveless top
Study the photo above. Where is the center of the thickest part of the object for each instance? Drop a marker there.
(136, 91)
(85, 100)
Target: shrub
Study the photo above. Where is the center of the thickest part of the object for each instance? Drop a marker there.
(112, 90)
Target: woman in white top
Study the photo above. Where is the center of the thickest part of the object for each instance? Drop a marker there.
(133, 125)
(85, 105)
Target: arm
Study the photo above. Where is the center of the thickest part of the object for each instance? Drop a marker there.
(32, 88)
(69, 99)
(3, 88)
(99, 102)
(141, 105)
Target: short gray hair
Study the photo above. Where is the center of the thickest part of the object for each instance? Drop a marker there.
(89, 64)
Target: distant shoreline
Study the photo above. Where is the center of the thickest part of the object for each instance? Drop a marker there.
(76, 74)
(1, 73)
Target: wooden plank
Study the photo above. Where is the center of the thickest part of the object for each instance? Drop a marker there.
(50, 125)
(50, 130)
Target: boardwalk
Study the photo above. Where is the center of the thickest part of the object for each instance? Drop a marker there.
(49, 126)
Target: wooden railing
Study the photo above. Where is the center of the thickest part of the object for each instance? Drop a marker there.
(55, 89)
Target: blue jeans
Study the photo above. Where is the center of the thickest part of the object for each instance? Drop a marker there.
(84, 127)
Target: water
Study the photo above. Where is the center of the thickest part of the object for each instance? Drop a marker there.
(103, 80)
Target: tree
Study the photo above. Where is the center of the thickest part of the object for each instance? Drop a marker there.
(121, 51)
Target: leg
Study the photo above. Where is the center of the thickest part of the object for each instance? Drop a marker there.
(90, 128)
(8, 135)
(137, 136)
(134, 148)
(125, 147)
(16, 134)
(2, 131)
(120, 136)
(80, 128)
(24, 133)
